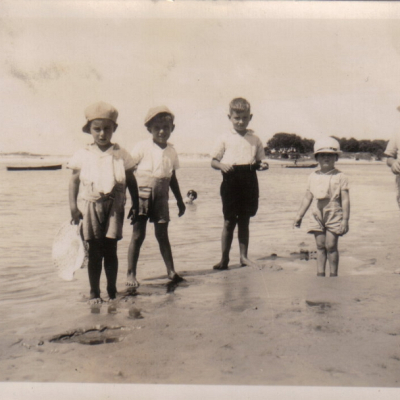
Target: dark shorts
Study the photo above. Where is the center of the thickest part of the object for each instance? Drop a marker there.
(239, 194)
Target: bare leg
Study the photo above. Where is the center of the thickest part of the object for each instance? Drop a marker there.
(332, 252)
(111, 266)
(138, 236)
(244, 237)
(320, 238)
(161, 232)
(226, 243)
(94, 268)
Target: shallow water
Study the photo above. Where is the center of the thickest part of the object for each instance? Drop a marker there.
(34, 204)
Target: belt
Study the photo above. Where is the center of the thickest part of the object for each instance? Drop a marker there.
(246, 167)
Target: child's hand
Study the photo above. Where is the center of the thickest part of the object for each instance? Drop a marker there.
(263, 166)
(396, 167)
(182, 208)
(226, 168)
(76, 216)
(297, 222)
(344, 227)
(132, 215)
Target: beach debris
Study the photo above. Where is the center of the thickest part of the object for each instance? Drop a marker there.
(69, 252)
(92, 336)
(135, 313)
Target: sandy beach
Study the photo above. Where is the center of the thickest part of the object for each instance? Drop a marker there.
(275, 325)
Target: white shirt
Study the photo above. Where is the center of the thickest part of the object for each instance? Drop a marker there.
(100, 170)
(153, 162)
(233, 148)
(393, 147)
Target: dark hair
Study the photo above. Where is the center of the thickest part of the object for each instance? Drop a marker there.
(161, 116)
(193, 192)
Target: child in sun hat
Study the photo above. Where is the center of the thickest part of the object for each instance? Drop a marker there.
(100, 174)
(156, 162)
(331, 211)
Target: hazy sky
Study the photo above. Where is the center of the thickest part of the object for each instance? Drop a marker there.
(304, 72)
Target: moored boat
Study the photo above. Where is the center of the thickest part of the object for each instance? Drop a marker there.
(301, 165)
(34, 167)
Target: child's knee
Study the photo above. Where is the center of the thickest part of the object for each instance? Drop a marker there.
(230, 224)
(331, 247)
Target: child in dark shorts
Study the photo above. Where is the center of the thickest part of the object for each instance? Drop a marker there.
(238, 154)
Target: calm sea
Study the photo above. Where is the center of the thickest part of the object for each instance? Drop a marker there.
(34, 204)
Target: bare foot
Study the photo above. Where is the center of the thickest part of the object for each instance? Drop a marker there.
(132, 282)
(220, 266)
(174, 277)
(244, 261)
(95, 300)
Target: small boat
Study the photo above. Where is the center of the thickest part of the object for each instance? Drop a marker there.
(34, 167)
(301, 165)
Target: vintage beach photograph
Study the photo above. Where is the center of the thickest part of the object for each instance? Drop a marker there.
(200, 199)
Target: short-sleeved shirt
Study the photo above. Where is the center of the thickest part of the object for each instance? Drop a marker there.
(235, 149)
(393, 147)
(327, 186)
(100, 171)
(153, 163)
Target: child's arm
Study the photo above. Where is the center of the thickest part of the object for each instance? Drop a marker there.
(346, 211)
(305, 204)
(131, 184)
(393, 164)
(73, 196)
(177, 193)
(222, 167)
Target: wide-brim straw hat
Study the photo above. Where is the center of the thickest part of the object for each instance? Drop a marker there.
(100, 110)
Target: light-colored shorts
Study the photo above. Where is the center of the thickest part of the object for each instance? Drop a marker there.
(153, 202)
(105, 217)
(328, 219)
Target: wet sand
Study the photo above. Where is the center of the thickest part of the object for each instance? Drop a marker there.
(270, 326)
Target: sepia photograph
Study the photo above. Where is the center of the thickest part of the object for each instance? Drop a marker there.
(200, 199)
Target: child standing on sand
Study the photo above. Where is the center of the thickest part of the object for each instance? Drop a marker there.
(100, 174)
(238, 155)
(331, 211)
(156, 162)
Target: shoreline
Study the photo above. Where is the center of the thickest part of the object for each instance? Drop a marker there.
(185, 161)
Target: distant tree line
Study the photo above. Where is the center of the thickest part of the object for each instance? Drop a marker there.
(285, 143)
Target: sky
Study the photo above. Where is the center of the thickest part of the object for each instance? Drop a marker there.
(306, 69)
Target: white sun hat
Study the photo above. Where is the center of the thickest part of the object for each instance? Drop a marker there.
(327, 145)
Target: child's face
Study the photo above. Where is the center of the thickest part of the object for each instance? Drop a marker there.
(161, 129)
(240, 120)
(102, 131)
(326, 160)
